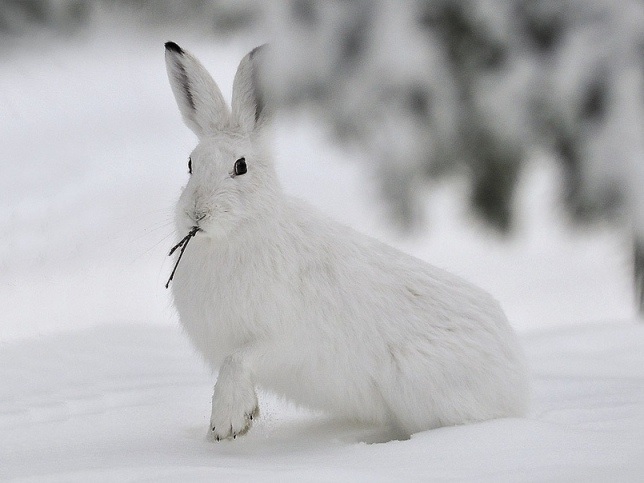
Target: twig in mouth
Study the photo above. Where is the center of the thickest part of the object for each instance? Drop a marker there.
(182, 244)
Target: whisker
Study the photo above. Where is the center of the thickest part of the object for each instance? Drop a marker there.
(149, 249)
(146, 232)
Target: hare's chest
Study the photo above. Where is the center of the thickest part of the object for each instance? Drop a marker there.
(224, 302)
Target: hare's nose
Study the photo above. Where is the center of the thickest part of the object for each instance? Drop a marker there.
(195, 216)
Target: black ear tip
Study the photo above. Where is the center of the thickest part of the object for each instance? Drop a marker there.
(172, 47)
(257, 49)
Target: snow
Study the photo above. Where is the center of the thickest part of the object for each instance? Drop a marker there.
(98, 383)
(131, 401)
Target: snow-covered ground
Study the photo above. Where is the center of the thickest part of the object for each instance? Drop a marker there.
(98, 383)
(131, 401)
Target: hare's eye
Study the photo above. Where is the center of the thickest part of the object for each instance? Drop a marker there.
(190, 165)
(240, 166)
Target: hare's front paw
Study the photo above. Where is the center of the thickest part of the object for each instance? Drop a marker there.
(233, 411)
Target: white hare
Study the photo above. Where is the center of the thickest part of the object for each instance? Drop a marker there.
(274, 294)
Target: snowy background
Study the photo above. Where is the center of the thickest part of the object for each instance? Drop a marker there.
(98, 383)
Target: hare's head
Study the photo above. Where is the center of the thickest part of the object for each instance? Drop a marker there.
(232, 180)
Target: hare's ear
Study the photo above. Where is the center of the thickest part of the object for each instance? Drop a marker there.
(249, 103)
(200, 101)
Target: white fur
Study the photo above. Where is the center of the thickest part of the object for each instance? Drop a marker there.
(276, 295)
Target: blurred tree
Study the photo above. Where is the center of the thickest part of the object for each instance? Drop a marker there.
(16, 16)
(19, 17)
(431, 87)
(437, 86)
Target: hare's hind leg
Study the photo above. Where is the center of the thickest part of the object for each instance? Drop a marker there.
(409, 395)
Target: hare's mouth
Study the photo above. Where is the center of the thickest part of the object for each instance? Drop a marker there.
(182, 244)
